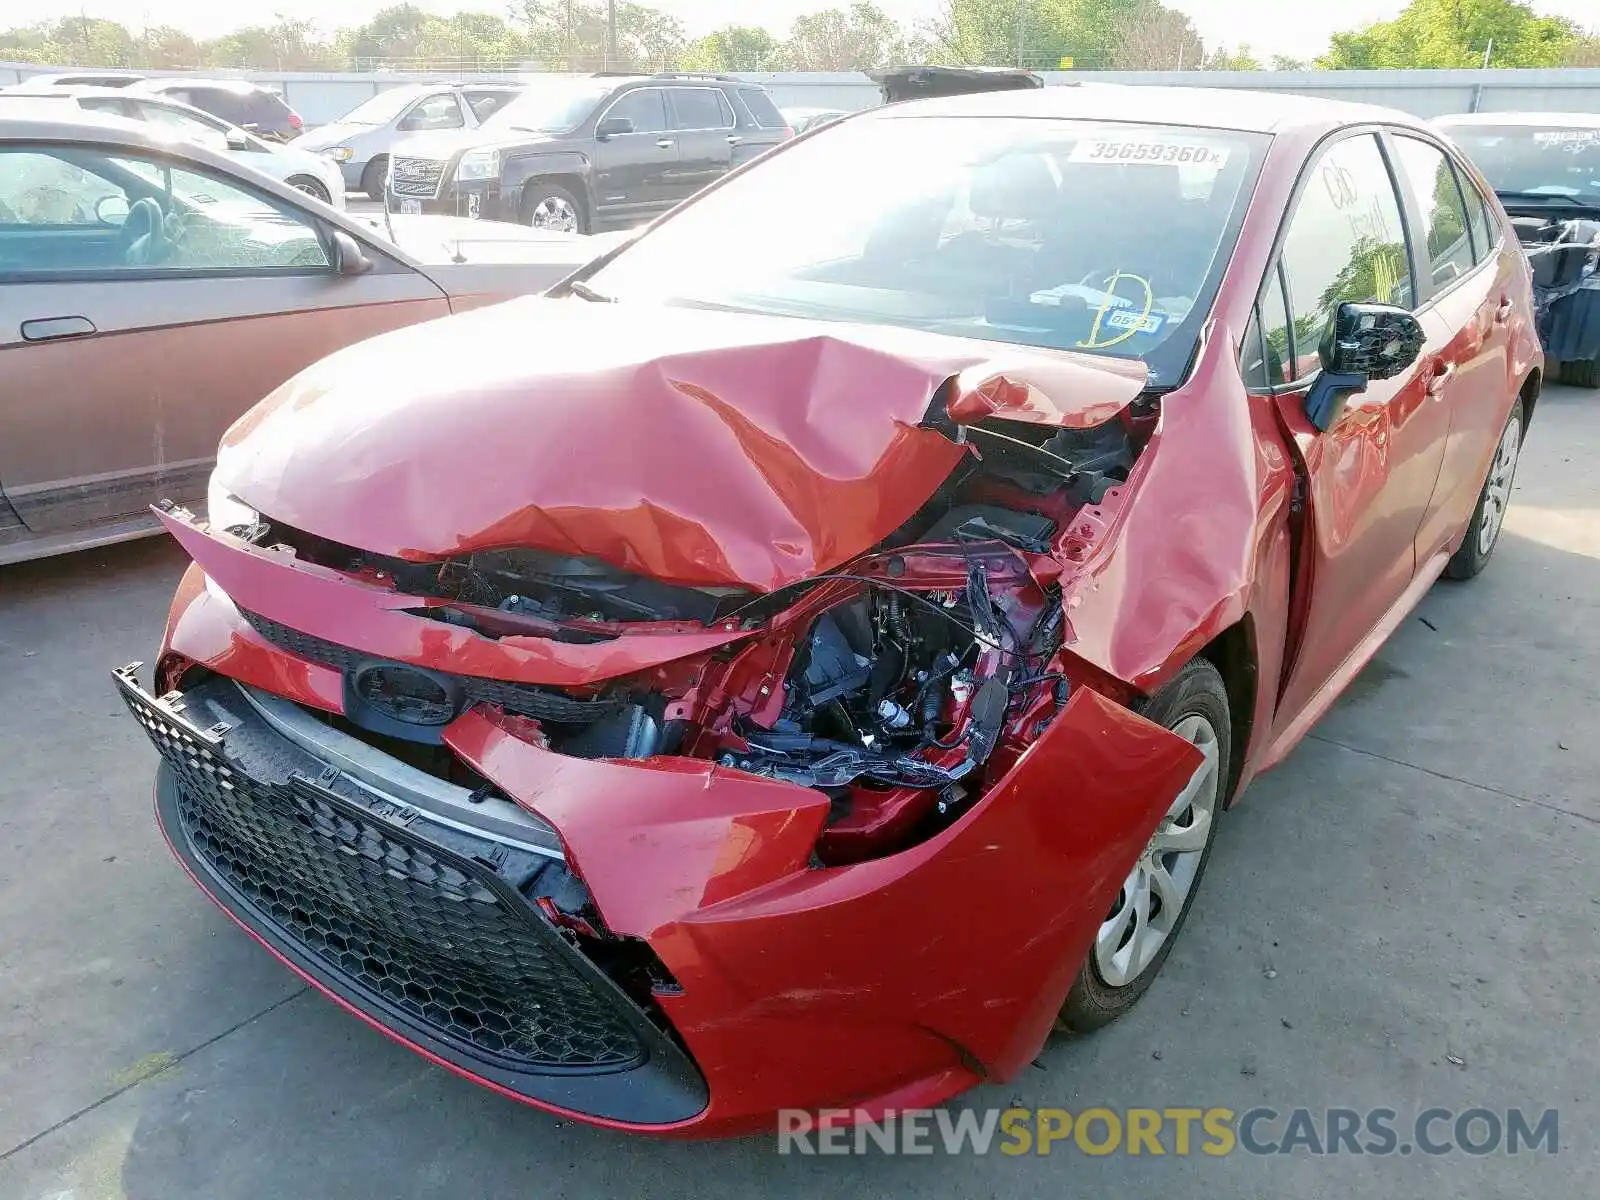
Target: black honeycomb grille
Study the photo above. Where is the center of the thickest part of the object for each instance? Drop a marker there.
(395, 921)
(524, 699)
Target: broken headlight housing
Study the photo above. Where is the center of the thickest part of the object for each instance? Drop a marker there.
(226, 511)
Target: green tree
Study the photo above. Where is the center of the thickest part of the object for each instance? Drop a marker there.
(161, 47)
(860, 38)
(472, 38)
(1039, 33)
(285, 45)
(1584, 51)
(571, 35)
(32, 44)
(1284, 62)
(71, 41)
(393, 33)
(1156, 38)
(735, 48)
(1223, 59)
(1455, 33)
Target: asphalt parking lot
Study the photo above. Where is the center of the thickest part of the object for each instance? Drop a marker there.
(1402, 916)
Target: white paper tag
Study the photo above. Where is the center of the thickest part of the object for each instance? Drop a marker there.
(1153, 149)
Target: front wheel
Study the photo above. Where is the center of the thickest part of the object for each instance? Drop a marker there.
(311, 187)
(1138, 933)
(1484, 532)
(375, 177)
(550, 206)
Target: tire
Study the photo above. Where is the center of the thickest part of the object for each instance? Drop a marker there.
(1195, 705)
(374, 176)
(1584, 373)
(310, 186)
(1483, 534)
(551, 206)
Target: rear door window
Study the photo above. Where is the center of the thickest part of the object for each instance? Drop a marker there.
(699, 108)
(230, 106)
(1430, 182)
(1345, 242)
(485, 104)
(1480, 217)
(436, 112)
(762, 109)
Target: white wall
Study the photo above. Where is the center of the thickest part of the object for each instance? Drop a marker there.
(321, 96)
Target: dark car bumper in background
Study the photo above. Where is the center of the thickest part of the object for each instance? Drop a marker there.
(478, 199)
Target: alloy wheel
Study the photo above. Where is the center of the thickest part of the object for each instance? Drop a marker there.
(554, 213)
(1151, 901)
(1497, 490)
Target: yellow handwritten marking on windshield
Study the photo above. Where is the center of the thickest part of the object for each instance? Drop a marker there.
(1093, 342)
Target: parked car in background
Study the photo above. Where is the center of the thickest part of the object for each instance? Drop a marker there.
(1545, 167)
(926, 83)
(579, 155)
(362, 140)
(247, 105)
(806, 657)
(300, 169)
(151, 290)
(802, 119)
(55, 79)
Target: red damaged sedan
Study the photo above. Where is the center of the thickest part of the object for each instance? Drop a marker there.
(803, 660)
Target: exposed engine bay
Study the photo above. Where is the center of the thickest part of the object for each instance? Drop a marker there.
(1564, 256)
(889, 685)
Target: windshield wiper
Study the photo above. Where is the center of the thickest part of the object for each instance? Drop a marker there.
(1550, 198)
(579, 288)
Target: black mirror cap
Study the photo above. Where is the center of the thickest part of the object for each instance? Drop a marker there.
(348, 258)
(1367, 342)
(1375, 341)
(612, 126)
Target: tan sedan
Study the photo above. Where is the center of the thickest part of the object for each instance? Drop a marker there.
(151, 291)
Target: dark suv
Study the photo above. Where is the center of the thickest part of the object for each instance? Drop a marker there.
(260, 110)
(580, 155)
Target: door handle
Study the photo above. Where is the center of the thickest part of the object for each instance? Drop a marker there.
(734, 139)
(46, 329)
(1502, 314)
(1440, 377)
(665, 143)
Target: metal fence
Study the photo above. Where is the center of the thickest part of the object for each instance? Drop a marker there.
(322, 96)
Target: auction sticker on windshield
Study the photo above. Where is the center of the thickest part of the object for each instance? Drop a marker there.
(1155, 149)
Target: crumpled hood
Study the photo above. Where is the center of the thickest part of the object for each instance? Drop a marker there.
(695, 447)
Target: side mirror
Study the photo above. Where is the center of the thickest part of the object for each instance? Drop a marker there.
(348, 258)
(111, 210)
(237, 142)
(1367, 342)
(612, 126)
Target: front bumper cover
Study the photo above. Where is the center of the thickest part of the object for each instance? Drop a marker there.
(892, 983)
(414, 920)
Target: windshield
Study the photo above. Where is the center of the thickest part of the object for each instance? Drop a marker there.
(381, 109)
(552, 107)
(1554, 159)
(1095, 236)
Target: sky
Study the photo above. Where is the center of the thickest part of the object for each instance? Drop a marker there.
(1300, 30)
